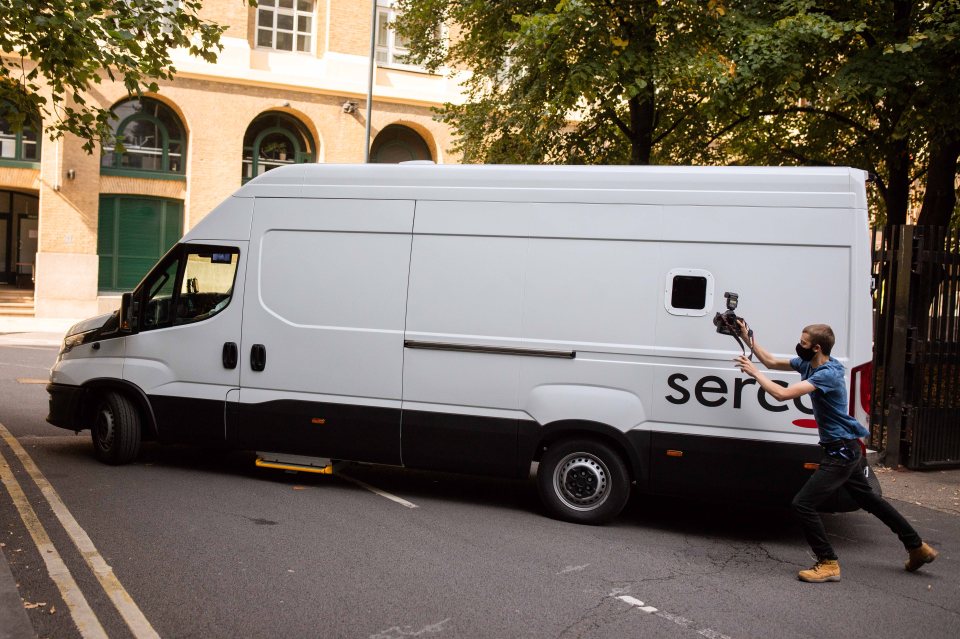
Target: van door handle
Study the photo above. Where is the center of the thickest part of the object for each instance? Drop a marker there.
(230, 355)
(258, 357)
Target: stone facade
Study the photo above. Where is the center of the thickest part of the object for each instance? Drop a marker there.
(216, 103)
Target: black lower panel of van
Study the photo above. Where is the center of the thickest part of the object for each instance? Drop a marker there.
(460, 443)
(188, 420)
(746, 470)
(338, 431)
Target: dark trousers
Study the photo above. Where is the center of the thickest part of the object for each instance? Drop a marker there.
(833, 473)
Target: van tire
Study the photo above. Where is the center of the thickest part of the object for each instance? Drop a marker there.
(583, 481)
(116, 430)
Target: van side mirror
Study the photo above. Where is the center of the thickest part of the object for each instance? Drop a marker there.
(128, 313)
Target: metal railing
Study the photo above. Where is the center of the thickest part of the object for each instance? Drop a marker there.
(915, 407)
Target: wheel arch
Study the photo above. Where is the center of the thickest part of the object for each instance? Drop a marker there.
(554, 432)
(94, 387)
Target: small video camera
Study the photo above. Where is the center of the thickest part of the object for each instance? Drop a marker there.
(726, 322)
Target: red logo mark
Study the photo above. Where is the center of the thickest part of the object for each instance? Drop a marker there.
(805, 423)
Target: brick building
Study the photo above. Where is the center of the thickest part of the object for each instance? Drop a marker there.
(289, 86)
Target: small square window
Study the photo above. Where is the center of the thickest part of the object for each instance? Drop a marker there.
(688, 292)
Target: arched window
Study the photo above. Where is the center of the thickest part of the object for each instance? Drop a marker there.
(275, 139)
(22, 145)
(398, 143)
(152, 136)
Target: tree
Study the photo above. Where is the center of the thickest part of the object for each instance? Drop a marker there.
(70, 45)
(578, 81)
(865, 83)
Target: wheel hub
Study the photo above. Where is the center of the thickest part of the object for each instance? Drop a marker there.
(581, 481)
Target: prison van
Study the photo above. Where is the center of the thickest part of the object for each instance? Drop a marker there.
(478, 319)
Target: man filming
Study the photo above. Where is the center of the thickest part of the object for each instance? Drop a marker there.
(823, 378)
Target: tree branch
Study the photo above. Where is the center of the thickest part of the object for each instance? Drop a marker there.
(677, 122)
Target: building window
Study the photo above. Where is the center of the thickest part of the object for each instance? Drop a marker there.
(22, 145)
(152, 136)
(285, 25)
(132, 234)
(272, 140)
(397, 143)
(392, 49)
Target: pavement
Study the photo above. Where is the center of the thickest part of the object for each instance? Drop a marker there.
(935, 489)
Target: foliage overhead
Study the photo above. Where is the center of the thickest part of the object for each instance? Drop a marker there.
(71, 45)
(577, 81)
(863, 83)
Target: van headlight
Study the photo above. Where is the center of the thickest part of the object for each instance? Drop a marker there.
(72, 341)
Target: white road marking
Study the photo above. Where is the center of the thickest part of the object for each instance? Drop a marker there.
(633, 601)
(709, 633)
(396, 632)
(572, 569)
(377, 491)
(80, 611)
(121, 599)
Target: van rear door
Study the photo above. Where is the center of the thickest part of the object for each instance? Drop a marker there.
(323, 318)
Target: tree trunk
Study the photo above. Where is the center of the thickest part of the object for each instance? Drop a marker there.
(642, 117)
(940, 197)
(898, 182)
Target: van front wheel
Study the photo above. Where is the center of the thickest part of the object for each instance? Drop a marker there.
(116, 430)
(583, 481)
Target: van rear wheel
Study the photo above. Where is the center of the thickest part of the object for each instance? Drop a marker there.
(583, 481)
(116, 430)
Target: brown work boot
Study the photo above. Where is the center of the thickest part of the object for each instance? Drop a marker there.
(823, 570)
(922, 554)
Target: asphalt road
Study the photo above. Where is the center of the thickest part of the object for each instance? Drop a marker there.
(207, 545)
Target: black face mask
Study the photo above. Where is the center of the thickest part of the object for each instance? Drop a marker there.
(806, 354)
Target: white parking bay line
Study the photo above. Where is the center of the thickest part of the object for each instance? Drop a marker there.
(709, 633)
(80, 611)
(377, 491)
(121, 599)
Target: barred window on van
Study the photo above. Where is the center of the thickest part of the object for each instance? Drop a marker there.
(689, 292)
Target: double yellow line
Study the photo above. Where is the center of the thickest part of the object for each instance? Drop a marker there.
(81, 612)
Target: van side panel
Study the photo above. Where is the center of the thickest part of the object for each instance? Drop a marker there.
(460, 407)
(325, 305)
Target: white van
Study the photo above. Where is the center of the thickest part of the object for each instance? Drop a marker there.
(476, 319)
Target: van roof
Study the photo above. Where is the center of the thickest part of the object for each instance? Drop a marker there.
(827, 186)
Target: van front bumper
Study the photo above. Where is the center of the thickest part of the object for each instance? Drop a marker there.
(64, 405)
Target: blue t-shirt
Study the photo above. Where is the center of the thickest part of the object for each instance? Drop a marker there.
(830, 400)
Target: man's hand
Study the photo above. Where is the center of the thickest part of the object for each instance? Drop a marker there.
(744, 331)
(746, 366)
(775, 390)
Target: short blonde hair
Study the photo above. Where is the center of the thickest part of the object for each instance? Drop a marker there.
(821, 334)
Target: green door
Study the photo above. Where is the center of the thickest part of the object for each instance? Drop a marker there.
(133, 233)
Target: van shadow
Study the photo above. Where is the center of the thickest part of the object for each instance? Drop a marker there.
(718, 518)
(715, 517)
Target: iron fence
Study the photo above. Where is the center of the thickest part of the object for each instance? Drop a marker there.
(915, 406)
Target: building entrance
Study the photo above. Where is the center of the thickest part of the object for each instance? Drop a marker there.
(19, 222)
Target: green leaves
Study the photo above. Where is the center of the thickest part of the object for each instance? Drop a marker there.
(74, 45)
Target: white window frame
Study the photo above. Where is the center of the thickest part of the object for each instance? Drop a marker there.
(389, 53)
(295, 13)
